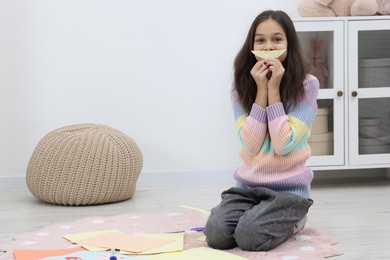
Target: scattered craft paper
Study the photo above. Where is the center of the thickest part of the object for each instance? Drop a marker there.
(87, 255)
(177, 243)
(196, 254)
(74, 238)
(268, 54)
(126, 242)
(175, 246)
(28, 254)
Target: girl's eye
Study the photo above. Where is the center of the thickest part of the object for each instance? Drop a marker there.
(278, 39)
(259, 40)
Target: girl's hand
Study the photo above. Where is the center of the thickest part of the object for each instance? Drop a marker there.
(277, 71)
(259, 73)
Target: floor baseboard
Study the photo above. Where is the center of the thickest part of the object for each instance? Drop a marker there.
(13, 183)
(152, 179)
(146, 179)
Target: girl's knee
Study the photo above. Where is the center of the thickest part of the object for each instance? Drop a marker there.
(248, 237)
(262, 238)
(219, 235)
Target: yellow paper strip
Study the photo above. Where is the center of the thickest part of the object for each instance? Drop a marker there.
(207, 213)
(269, 54)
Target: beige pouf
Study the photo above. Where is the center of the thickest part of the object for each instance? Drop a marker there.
(84, 164)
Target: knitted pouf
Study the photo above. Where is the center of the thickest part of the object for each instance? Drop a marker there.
(84, 164)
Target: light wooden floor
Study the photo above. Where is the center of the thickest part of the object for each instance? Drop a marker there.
(355, 211)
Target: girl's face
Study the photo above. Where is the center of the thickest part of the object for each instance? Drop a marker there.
(270, 36)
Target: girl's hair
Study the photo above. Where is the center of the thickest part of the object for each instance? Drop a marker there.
(296, 67)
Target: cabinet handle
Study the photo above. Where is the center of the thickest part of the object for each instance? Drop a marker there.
(354, 93)
(340, 93)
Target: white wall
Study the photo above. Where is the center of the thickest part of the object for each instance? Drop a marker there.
(160, 71)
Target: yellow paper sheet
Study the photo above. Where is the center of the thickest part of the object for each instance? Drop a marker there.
(176, 245)
(81, 236)
(195, 254)
(126, 242)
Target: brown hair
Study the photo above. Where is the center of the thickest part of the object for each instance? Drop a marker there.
(296, 67)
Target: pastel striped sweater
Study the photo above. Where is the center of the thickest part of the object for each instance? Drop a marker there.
(274, 143)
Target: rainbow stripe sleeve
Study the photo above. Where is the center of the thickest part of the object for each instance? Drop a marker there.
(277, 129)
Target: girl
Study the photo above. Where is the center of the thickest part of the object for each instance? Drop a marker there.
(275, 102)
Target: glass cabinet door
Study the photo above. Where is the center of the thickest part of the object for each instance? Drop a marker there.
(323, 45)
(369, 92)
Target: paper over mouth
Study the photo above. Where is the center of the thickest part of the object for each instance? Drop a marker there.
(269, 54)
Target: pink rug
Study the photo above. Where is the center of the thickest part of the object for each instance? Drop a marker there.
(309, 243)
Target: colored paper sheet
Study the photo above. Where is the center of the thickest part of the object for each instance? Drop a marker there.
(87, 255)
(24, 254)
(81, 236)
(206, 212)
(126, 242)
(195, 254)
(201, 238)
(177, 244)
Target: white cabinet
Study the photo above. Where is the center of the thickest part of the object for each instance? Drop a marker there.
(351, 56)
(369, 92)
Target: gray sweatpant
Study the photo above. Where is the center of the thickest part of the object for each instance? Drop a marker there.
(254, 219)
